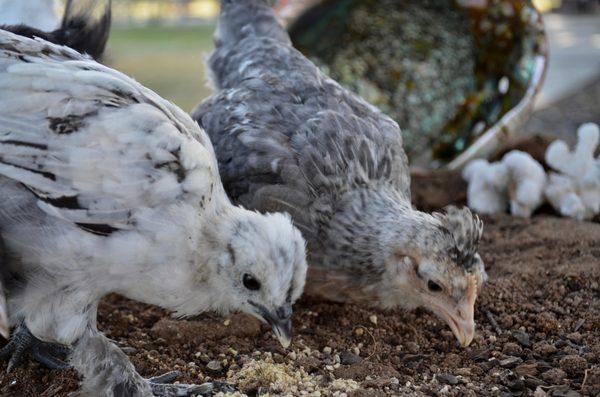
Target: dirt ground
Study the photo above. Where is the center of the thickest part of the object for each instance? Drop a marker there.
(538, 322)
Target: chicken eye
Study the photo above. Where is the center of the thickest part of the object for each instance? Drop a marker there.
(433, 286)
(250, 282)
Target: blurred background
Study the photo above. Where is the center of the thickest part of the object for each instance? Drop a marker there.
(162, 43)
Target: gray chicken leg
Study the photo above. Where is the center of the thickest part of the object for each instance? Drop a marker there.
(51, 355)
(108, 371)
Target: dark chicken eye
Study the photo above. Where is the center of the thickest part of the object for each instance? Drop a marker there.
(251, 283)
(433, 286)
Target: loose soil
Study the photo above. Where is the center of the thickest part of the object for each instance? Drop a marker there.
(538, 322)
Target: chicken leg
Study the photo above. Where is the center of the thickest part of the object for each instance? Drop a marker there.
(49, 354)
(107, 370)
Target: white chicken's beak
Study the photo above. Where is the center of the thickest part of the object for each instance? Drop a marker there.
(280, 321)
(4, 326)
(283, 331)
(460, 317)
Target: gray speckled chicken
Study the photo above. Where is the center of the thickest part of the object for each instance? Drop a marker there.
(290, 139)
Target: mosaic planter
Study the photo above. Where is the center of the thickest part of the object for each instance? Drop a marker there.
(459, 76)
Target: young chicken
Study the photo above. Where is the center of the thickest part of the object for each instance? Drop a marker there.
(288, 138)
(106, 187)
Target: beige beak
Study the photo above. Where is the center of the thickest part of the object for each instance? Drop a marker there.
(462, 323)
(460, 317)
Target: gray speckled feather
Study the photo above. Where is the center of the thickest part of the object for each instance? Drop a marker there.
(285, 133)
(288, 138)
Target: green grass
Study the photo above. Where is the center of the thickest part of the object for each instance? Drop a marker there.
(169, 60)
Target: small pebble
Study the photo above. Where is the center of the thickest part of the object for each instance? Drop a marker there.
(446, 378)
(214, 365)
(554, 376)
(523, 338)
(511, 380)
(348, 358)
(526, 370)
(544, 349)
(412, 347)
(512, 349)
(575, 337)
(539, 392)
(510, 362)
(359, 331)
(573, 365)
(464, 371)
(373, 319)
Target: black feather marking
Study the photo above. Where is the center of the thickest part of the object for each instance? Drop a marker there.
(129, 97)
(48, 175)
(174, 167)
(100, 230)
(29, 32)
(178, 170)
(231, 253)
(28, 144)
(67, 202)
(66, 125)
(288, 295)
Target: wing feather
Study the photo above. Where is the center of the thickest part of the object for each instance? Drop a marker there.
(92, 144)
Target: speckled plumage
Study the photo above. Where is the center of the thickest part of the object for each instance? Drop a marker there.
(106, 187)
(290, 139)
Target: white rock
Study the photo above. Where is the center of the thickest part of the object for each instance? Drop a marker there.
(517, 182)
(526, 182)
(574, 190)
(486, 193)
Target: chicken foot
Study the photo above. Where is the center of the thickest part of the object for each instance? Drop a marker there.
(49, 354)
(106, 370)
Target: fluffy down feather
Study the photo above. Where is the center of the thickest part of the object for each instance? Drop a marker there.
(106, 187)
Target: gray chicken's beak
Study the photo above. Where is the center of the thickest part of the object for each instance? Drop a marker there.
(462, 324)
(280, 321)
(459, 316)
